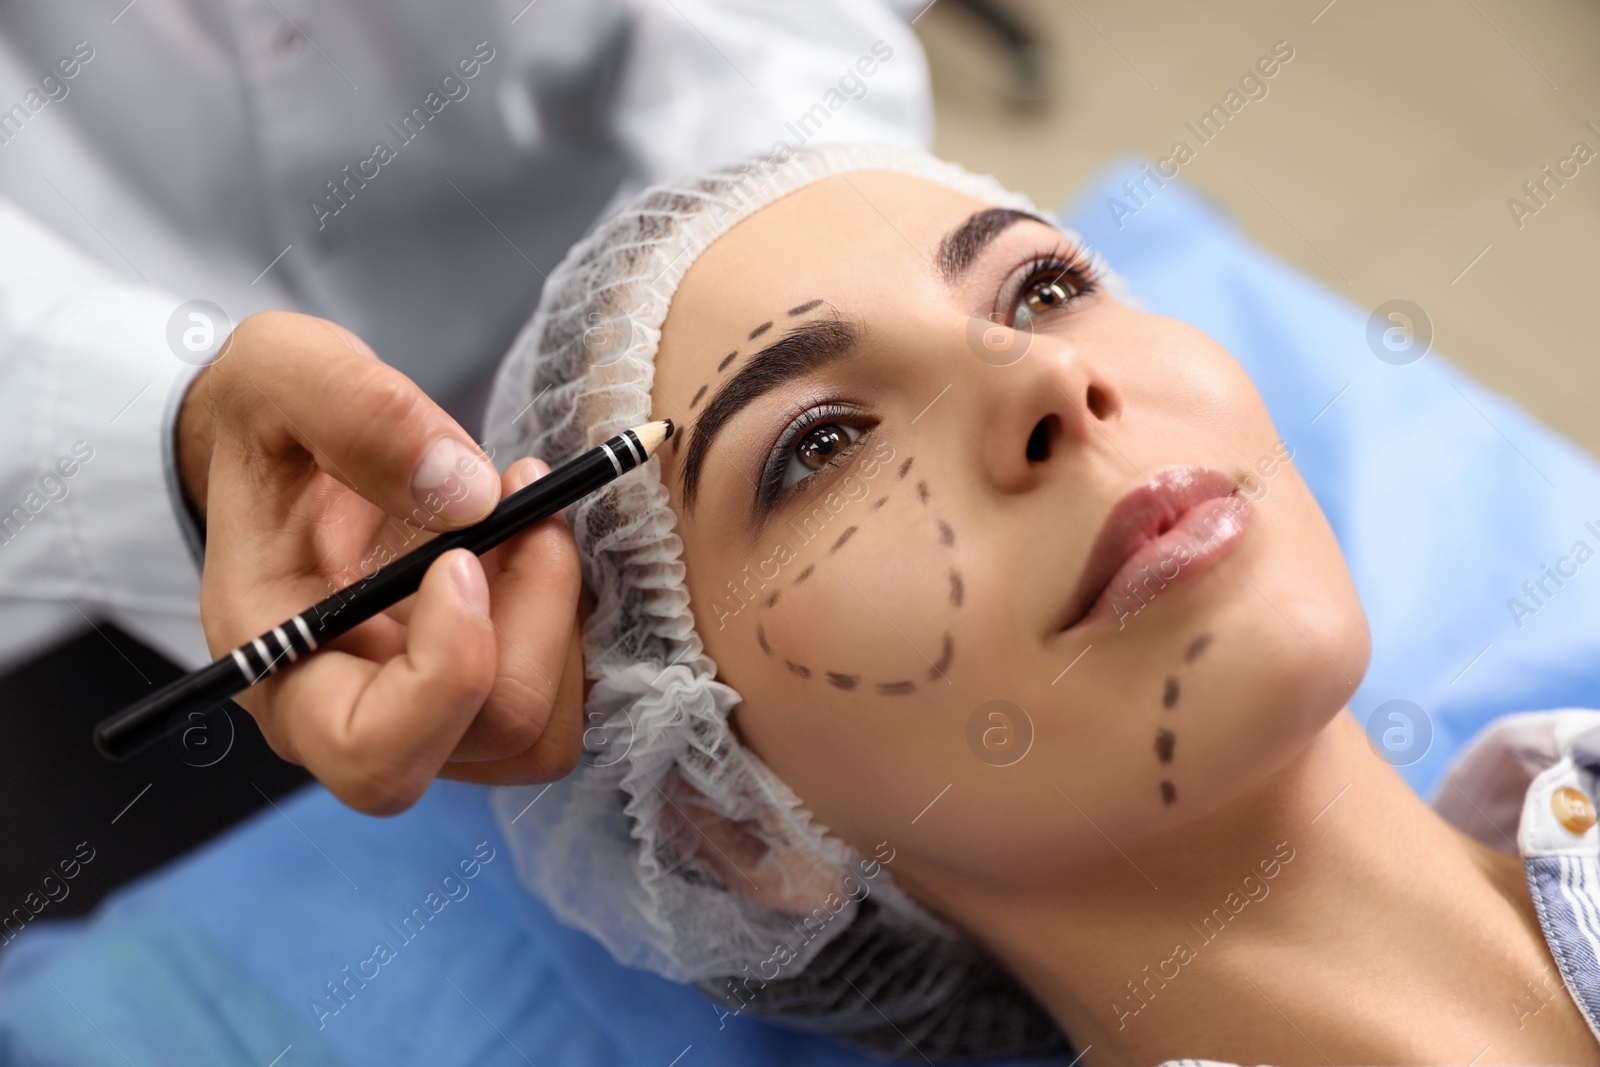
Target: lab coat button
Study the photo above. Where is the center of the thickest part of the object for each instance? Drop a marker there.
(1573, 809)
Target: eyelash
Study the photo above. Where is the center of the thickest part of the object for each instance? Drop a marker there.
(1081, 269)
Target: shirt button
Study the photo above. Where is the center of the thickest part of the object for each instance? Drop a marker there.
(1573, 809)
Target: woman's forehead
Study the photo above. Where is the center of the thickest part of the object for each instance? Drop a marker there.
(863, 245)
(831, 228)
(849, 250)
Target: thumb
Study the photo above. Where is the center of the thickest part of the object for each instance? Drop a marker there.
(300, 382)
(454, 482)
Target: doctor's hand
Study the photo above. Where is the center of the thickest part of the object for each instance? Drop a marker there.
(311, 461)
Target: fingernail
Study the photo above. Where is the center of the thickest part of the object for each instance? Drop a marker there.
(466, 574)
(454, 483)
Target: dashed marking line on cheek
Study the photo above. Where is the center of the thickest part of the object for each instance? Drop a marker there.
(880, 502)
(759, 330)
(1169, 697)
(1166, 740)
(1169, 793)
(946, 653)
(844, 680)
(727, 359)
(803, 308)
(904, 467)
(699, 393)
(1197, 646)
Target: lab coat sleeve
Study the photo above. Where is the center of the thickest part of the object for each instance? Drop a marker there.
(89, 525)
(713, 81)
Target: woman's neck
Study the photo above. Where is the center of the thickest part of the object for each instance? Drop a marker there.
(1331, 917)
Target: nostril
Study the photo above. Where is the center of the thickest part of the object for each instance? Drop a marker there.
(1039, 441)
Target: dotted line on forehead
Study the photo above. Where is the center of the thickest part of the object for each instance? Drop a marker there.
(727, 360)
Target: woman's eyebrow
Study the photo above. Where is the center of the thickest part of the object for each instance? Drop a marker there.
(961, 247)
(798, 352)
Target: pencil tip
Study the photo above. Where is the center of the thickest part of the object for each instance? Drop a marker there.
(653, 434)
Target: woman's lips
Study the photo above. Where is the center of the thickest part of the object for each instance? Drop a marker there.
(1160, 533)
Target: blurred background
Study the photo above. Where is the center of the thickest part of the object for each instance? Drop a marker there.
(1380, 161)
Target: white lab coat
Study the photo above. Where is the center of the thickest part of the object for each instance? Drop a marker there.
(228, 151)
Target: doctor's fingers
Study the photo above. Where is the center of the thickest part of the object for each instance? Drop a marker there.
(288, 386)
(534, 581)
(376, 735)
(274, 550)
(529, 728)
(560, 745)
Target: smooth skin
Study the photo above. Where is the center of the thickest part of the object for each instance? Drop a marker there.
(298, 446)
(1387, 937)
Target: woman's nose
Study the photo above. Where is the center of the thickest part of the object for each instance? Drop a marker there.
(1050, 403)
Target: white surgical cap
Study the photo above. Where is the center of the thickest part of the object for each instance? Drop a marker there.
(639, 845)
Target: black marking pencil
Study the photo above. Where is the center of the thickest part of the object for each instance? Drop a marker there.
(167, 710)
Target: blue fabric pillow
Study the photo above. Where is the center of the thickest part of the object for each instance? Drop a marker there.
(261, 948)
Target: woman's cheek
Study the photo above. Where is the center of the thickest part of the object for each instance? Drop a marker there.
(868, 604)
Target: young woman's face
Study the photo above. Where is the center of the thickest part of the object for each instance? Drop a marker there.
(903, 422)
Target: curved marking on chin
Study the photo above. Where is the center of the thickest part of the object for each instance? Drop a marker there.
(1166, 740)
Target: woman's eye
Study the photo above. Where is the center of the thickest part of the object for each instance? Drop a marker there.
(1042, 296)
(818, 447)
(819, 439)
